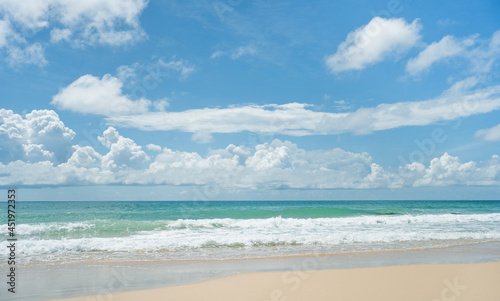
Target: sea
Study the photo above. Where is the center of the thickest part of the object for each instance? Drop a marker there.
(55, 233)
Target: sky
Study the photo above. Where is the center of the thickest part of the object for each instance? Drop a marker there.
(250, 100)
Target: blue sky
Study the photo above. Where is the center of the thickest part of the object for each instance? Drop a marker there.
(238, 99)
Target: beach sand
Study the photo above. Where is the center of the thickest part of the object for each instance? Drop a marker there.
(422, 282)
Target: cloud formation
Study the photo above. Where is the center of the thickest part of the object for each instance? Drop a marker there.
(234, 54)
(272, 165)
(481, 54)
(448, 47)
(491, 134)
(105, 96)
(298, 119)
(39, 136)
(374, 42)
(101, 96)
(81, 23)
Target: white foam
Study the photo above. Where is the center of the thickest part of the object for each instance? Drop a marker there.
(32, 229)
(185, 235)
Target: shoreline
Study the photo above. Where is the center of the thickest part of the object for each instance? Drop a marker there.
(59, 282)
(476, 281)
(283, 256)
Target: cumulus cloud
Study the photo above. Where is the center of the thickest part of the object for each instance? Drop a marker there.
(102, 96)
(114, 22)
(297, 119)
(274, 165)
(491, 134)
(373, 42)
(124, 152)
(84, 157)
(81, 23)
(105, 96)
(448, 170)
(38, 136)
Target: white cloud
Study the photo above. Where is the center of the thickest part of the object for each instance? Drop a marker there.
(491, 134)
(111, 22)
(39, 136)
(124, 152)
(148, 76)
(217, 54)
(105, 96)
(447, 47)
(31, 14)
(153, 147)
(480, 53)
(243, 51)
(84, 157)
(180, 66)
(57, 35)
(202, 137)
(82, 23)
(5, 32)
(237, 53)
(298, 120)
(483, 57)
(373, 42)
(125, 73)
(161, 105)
(89, 94)
(33, 54)
(275, 165)
(448, 170)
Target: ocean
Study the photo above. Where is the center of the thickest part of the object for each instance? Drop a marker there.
(54, 233)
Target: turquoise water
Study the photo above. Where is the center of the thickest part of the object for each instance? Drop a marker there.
(58, 232)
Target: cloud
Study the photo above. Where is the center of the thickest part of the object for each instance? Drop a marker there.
(202, 137)
(491, 134)
(84, 157)
(481, 54)
(38, 136)
(448, 47)
(148, 76)
(57, 35)
(216, 54)
(179, 66)
(90, 94)
(448, 170)
(5, 32)
(297, 119)
(111, 22)
(243, 51)
(33, 54)
(373, 42)
(105, 96)
(153, 147)
(272, 165)
(237, 53)
(124, 152)
(81, 23)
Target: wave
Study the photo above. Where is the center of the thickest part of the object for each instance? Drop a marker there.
(126, 227)
(59, 239)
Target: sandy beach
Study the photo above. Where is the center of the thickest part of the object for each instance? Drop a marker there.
(478, 281)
